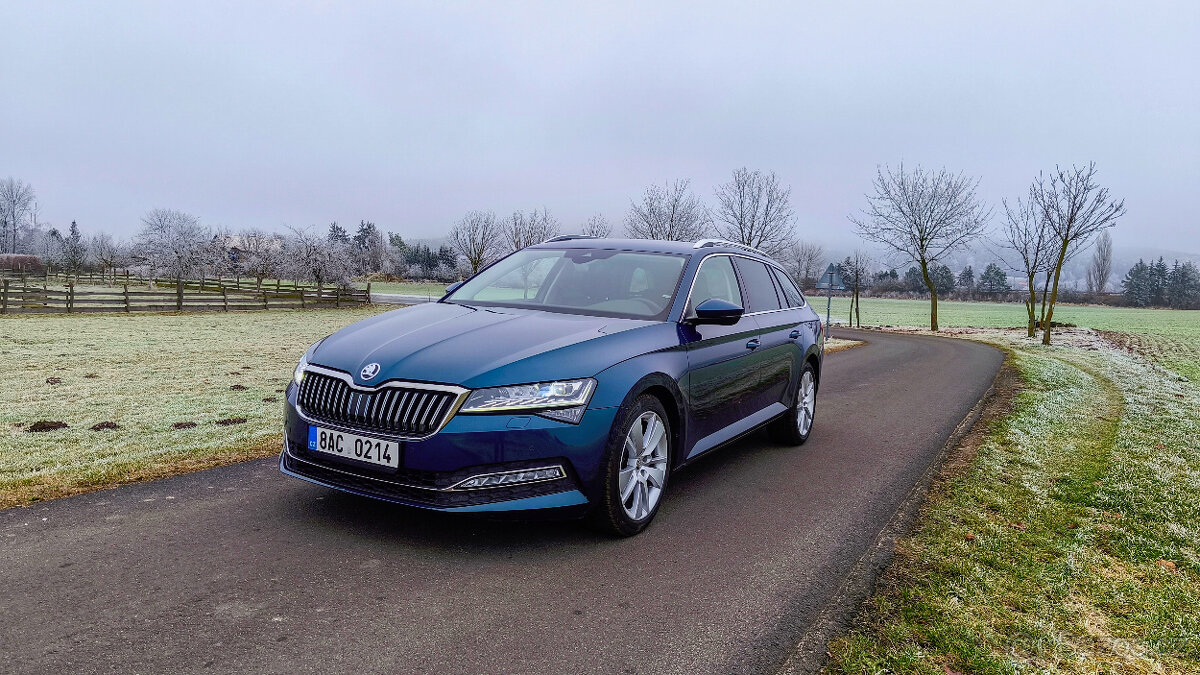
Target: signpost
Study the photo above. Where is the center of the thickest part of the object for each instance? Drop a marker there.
(830, 281)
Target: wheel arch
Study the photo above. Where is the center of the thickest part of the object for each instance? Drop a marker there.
(666, 390)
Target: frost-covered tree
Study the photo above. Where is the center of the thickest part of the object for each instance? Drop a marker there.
(755, 209)
(670, 212)
(477, 238)
(174, 243)
(596, 226)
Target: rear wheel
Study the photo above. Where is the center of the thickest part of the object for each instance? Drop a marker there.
(637, 464)
(796, 424)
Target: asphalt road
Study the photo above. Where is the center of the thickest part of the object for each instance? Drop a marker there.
(240, 569)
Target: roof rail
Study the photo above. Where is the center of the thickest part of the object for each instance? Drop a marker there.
(705, 243)
(568, 237)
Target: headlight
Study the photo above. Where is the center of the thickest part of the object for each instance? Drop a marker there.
(564, 394)
(298, 374)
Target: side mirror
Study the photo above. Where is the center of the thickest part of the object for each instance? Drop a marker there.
(453, 287)
(717, 311)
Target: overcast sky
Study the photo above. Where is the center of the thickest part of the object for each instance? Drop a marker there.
(257, 114)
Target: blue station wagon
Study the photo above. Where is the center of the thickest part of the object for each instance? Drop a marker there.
(569, 378)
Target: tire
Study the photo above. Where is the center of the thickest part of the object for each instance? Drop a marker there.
(794, 426)
(634, 483)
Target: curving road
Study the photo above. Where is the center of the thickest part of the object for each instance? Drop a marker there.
(240, 569)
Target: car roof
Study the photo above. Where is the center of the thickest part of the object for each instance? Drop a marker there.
(705, 246)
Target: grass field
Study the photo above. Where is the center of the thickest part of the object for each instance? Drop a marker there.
(1172, 336)
(430, 290)
(1071, 542)
(144, 373)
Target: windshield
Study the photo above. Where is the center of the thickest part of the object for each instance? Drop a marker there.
(578, 281)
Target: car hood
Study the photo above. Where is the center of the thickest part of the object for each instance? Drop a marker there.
(485, 346)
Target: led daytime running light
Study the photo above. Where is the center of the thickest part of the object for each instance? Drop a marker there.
(502, 479)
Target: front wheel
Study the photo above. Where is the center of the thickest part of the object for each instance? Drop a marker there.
(637, 464)
(796, 424)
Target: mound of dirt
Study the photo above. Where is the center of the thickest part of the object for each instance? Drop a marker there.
(53, 380)
(270, 399)
(102, 426)
(238, 387)
(46, 425)
(229, 421)
(183, 425)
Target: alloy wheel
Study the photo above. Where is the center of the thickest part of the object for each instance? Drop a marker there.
(643, 465)
(807, 406)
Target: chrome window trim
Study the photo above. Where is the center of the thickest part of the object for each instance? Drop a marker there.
(460, 393)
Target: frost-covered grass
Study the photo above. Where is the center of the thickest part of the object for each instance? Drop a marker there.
(1071, 543)
(144, 373)
(431, 290)
(1170, 336)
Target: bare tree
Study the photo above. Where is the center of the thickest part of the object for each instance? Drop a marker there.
(18, 203)
(256, 253)
(476, 237)
(668, 212)
(597, 226)
(1028, 236)
(807, 259)
(924, 216)
(108, 253)
(174, 242)
(1100, 269)
(754, 209)
(310, 254)
(521, 230)
(1076, 209)
(856, 273)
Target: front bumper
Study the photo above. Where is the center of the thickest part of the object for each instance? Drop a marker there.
(467, 446)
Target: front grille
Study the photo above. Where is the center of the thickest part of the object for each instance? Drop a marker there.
(407, 411)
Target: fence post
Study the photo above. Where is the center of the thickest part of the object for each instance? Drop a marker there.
(368, 292)
(225, 297)
(4, 298)
(337, 297)
(277, 285)
(265, 294)
(126, 293)
(70, 296)
(302, 298)
(318, 294)
(179, 295)
(201, 283)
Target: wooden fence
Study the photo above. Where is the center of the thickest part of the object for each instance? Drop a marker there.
(25, 299)
(122, 277)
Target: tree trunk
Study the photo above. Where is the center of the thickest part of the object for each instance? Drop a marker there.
(1045, 294)
(1031, 305)
(933, 324)
(1049, 320)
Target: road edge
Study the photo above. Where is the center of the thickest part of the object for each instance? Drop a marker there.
(810, 653)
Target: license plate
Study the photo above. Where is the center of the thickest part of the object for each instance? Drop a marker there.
(352, 446)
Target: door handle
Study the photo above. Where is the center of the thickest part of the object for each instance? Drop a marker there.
(753, 344)
(793, 335)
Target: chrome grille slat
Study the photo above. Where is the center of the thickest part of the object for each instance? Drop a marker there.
(398, 409)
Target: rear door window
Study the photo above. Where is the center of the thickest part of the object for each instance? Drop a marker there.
(759, 286)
